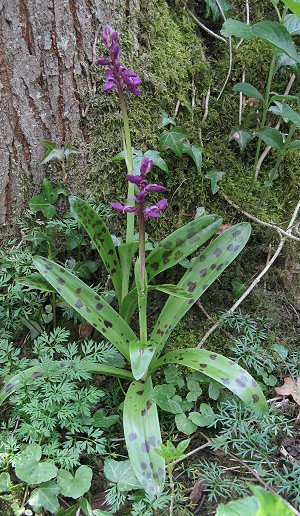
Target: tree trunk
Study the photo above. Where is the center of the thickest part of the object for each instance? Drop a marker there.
(46, 50)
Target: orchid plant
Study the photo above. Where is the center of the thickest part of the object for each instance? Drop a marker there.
(143, 350)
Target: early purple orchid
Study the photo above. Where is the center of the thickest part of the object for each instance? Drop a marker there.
(117, 75)
(144, 189)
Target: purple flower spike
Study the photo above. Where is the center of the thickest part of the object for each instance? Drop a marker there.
(116, 73)
(146, 166)
(122, 209)
(153, 211)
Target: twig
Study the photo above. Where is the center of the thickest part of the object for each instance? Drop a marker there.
(230, 53)
(206, 29)
(257, 279)
(176, 108)
(258, 221)
(206, 106)
(267, 149)
(191, 453)
(241, 99)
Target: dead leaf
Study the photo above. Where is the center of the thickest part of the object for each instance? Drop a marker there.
(85, 330)
(290, 388)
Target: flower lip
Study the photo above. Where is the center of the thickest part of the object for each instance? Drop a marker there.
(122, 209)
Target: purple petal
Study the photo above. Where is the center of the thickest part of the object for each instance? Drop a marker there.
(155, 188)
(162, 204)
(136, 180)
(134, 91)
(146, 166)
(151, 211)
(117, 206)
(130, 78)
(108, 86)
(103, 61)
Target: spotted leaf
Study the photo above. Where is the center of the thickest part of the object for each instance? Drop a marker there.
(142, 435)
(181, 243)
(221, 369)
(172, 250)
(205, 269)
(14, 382)
(172, 290)
(88, 304)
(140, 358)
(100, 236)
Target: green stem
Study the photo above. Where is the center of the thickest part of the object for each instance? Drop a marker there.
(285, 147)
(54, 308)
(265, 108)
(142, 277)
(172, 488)
(130, 193)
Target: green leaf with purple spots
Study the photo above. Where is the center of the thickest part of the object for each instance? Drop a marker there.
(140, 358)
(88, 304)
(172, 290)
(204, 270)
(181, 243)
(142, 435)
(100, 236)
(221, 369)
(14, 382)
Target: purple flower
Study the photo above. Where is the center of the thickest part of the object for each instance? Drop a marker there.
(122, 209)
(153, 211)
(146, 166)
(116, 73)
(144, 189)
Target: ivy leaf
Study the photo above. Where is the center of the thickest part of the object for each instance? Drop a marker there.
(195, 153)
(271, 137)
(166, 120)
(142, 436)
(55, 152)
(30, 469)
(77, 485)
(45, 200)
(184, 424)
(173, 140)
(102, 420)
(212, 7)
(236, 28)
(45, 497)
(162, 395)
(158, 161)
(248, 90)
(292, 24)
(52, 152)
(214, 390)
(295, 144)
(205, 416)
(4, 483)
(214, 176)
(242, 137)
(122, 474)
(238, 288)
(277, 35)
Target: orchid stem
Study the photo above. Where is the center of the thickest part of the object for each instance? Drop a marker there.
(265, 109)
(142, 278)
(130, 193)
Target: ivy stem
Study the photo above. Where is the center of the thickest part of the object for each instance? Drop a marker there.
(265, 109)
(130, 193)
(142, 277)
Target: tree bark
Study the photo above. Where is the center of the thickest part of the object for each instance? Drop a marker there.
(46, 50)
